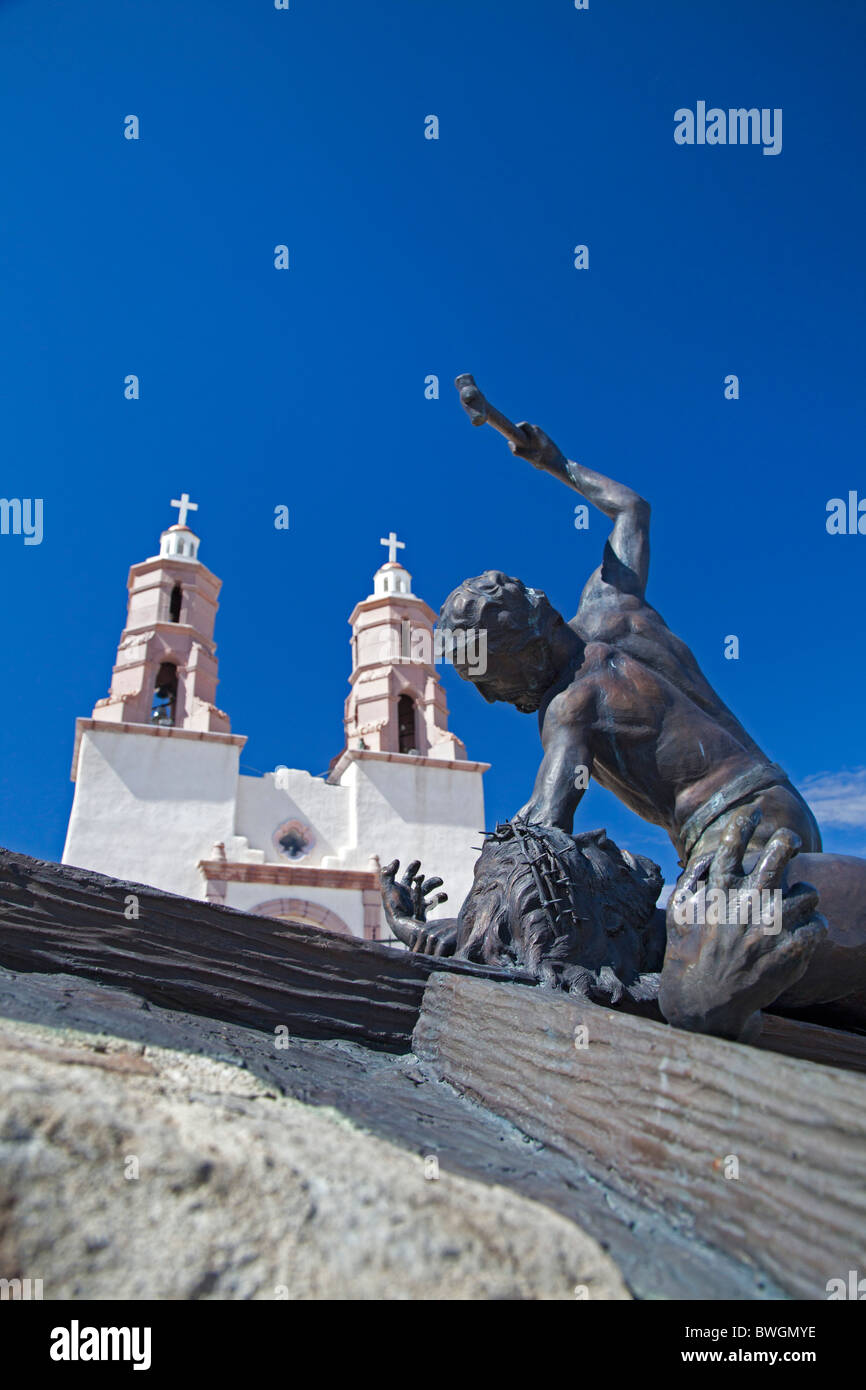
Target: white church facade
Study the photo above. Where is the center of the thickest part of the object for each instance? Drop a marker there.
(160, 798)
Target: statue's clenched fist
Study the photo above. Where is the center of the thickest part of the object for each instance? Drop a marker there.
(539, 450)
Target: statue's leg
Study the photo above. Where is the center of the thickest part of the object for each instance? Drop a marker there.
(837, 970)
(837, 967)
(737, 938)
(781, 808)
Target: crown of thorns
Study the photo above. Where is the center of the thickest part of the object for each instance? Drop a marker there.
(553, 881)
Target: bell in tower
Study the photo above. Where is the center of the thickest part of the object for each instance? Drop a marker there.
(165, 695)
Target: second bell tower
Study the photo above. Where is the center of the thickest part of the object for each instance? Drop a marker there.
(397, 704)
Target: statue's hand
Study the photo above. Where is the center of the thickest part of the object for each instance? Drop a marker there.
(720, 972)
(539, 450)
(437, 938)
(407, 902)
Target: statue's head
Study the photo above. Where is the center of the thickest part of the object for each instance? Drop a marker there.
(519, 627)
(572, 909)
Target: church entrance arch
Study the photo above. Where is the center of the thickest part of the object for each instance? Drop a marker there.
(307, 913)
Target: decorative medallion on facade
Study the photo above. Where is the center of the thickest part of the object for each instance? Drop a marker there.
(294, 840)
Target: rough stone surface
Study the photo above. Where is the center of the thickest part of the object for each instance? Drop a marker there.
(243, 1192)
(400, 1100)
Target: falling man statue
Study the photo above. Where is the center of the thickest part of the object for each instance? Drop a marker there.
(621, 699)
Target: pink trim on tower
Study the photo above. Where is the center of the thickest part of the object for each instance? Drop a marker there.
(353, 755)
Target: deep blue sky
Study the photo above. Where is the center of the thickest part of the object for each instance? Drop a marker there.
(412, 257)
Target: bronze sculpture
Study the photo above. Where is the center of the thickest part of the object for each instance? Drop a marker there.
(621, 698)
(573, 910)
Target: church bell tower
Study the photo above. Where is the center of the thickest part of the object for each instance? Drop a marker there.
(166, 667)
(397, 704)
(156, 765)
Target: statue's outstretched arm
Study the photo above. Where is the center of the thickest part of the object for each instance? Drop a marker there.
(626, 555)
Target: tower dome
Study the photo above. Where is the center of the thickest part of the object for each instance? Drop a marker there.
(391, 579)
(178, 543)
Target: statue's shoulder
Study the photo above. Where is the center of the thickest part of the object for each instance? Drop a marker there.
(606, 613)
(604, 623)
(574, 702)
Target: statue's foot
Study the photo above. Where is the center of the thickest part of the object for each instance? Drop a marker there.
(737, 941)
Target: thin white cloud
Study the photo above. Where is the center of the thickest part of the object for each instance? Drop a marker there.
(838, 798)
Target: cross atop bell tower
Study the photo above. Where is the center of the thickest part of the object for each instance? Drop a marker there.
(179, 542)
(184, 506)
(392, 543)
(391, 577)
(166, 668)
